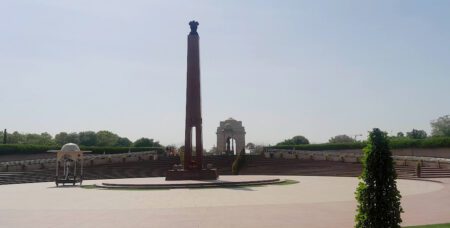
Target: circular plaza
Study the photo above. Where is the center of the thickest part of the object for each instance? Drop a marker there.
(299, 201)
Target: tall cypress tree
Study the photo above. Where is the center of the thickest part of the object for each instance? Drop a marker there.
(377, 194)
(4, 136)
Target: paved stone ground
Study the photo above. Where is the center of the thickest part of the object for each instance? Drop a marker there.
(314, 202)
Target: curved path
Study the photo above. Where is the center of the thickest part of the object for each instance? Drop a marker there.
(313, 202)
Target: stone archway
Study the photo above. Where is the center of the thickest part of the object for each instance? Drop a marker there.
(230, 137)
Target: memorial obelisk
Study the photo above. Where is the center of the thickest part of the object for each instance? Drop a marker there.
(193, 102)
(193, 168)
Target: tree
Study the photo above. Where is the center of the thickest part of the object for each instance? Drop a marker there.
(15, 138)
(416, 134)
(88, 138)
(377, 194)
(39, 139)
(63, 138)
(341, 139)
(299, 139)
(441, 126)
(181, 154)
(125, 142)
(32, 139)
(400, 135)
(296, 140)
(5, 136)
(46, 139)
(146, 142)
(106, 138)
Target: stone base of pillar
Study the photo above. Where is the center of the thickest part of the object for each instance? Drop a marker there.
(196, 174)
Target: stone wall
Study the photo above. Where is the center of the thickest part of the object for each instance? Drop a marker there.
(423, 152)
(409, 158)
(416, 152)
(89, 160)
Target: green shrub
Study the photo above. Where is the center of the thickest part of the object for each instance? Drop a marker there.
(9, 149)
(377, 194)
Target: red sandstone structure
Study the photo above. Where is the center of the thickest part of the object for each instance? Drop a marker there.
(193, 168)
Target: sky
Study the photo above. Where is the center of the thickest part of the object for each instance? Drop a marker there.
(283, 68)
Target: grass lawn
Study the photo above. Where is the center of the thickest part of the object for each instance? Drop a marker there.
(431, 226)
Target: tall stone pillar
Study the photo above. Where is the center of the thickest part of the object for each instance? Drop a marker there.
(193, 169)
(193, 102)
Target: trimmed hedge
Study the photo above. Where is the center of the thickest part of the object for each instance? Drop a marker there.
(324, 146)
(432, 142)
(396, 143)
(22, 149)
(118, 150)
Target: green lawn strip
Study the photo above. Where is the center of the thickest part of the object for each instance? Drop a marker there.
(447, 225)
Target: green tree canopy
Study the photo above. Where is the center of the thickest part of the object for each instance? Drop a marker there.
(38, 139)
(341, 139)
(296, 140)
(377, 194)
(88, 138)
(441, 126)
(125, 142)
(106, 138)
(416, 134)
(64, 137)
(146, 142)
(4, 136)
(84, 138)
(61, 138)
(15, 138)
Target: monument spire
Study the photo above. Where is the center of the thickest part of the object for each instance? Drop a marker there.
(193, 102)
(193, 168)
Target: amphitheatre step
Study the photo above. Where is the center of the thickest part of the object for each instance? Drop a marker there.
(255, 165)
(212, 184)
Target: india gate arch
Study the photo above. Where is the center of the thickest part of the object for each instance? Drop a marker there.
(230, 137)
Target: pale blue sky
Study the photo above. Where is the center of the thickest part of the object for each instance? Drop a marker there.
(315, 68)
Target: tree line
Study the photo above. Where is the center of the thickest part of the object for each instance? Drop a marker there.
(85, 138)
(439, 128)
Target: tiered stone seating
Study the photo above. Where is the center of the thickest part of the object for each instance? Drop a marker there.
(255, 165)
(434, 172)
(278, 166)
